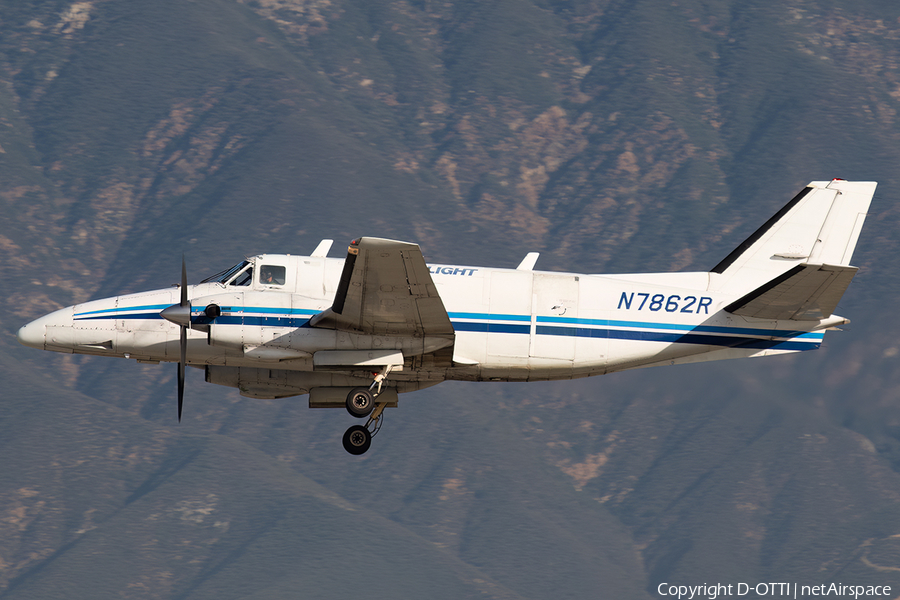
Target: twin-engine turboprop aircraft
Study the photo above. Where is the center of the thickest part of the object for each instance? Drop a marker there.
(356, 332)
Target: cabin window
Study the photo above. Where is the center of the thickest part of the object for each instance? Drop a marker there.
(271, 275)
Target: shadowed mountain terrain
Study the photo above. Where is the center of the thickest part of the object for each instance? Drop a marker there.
(611, 136)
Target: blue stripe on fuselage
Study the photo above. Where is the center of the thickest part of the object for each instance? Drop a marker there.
(733, 337)
(485, 316)
(151, 307)
(491, 327)
(685, 328)
(676, 338)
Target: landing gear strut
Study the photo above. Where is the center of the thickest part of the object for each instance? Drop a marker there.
(362, 402)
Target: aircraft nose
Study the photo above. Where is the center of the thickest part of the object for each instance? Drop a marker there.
(34, 334)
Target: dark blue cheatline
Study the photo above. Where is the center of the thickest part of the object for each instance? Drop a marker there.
(677, 338)
(729, 337)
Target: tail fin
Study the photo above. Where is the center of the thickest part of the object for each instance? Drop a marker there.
(819, 226)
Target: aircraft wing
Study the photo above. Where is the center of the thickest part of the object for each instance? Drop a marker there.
(805, 293)
(386, 289)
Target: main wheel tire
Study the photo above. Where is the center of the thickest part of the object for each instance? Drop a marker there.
(360, 402)
(357, 440)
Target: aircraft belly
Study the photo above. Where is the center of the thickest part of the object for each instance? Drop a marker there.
(627, 354)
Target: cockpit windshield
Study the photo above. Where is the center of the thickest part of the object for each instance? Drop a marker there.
(226, 275)
(243, 278)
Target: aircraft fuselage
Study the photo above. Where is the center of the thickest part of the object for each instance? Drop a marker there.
(511, 325)
(359, 331)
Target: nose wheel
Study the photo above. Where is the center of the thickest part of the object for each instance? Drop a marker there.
(361, 403)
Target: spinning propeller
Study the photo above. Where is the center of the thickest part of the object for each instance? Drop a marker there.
(180, 314)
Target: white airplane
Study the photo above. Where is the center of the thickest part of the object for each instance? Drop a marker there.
(356, 332)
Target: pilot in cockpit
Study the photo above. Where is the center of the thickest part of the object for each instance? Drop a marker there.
(266, 276)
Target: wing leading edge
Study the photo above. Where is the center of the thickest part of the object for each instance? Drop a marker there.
(386, 289)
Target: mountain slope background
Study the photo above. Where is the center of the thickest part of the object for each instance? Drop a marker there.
(610, 136)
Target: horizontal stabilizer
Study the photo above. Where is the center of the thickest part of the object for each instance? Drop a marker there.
(805, 293)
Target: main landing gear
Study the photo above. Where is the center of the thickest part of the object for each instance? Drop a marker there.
(361, 403)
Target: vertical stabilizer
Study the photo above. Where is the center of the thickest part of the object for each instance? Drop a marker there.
(820, 225)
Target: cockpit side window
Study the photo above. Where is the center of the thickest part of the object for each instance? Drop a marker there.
(271, 275)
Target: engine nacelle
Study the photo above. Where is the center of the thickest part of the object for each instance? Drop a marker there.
(327, 390)
(279, 383)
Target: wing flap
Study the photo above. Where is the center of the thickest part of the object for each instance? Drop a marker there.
(386, 289)
(805, 293)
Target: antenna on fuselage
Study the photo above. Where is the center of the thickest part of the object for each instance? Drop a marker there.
(322, 249)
